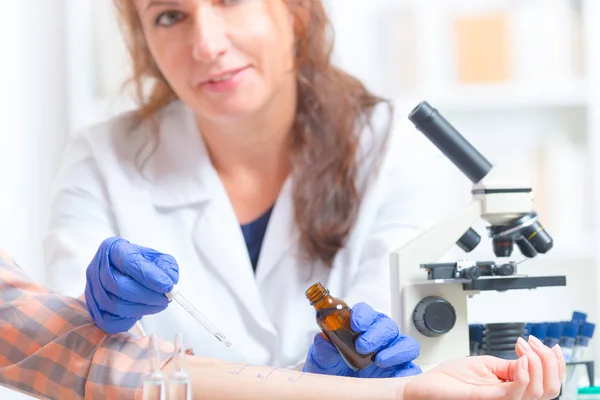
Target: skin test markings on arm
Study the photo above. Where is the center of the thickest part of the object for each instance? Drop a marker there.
(292, 378)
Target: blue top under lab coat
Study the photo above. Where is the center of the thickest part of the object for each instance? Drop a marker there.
(254, 233)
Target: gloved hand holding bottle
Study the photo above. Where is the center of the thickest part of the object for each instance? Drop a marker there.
(125, 282)
(379, 335)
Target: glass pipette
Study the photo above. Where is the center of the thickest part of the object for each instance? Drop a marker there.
(176, 295)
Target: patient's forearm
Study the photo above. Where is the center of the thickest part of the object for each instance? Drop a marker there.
(213, 379)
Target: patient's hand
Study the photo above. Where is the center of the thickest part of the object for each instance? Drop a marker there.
(537, 374)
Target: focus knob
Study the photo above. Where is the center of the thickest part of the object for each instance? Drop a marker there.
(434, 316)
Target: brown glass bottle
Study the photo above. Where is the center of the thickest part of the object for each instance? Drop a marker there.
(333, 317)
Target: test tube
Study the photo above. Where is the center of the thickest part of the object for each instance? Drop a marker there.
(575, 372)
(176, 295)
(539, 330)
(586, 331)
(528, 328)
(154, 382)
(180, 387)
(553, 334)
(567, 341)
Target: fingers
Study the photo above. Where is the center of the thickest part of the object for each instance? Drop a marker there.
(403, 350)
(126, 309)
(536, 375)
(109, 297)
(324, 357)
(517, 389)
(560, 359)
(163, 261)
(536, 378)
(545, 369)
(126, 288)
(513, 376)
(109, 323)
(380, 335)
(113, 324)
(551, 382)
(127, 258)
(362, 317)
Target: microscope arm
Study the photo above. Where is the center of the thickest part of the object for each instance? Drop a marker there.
(432, 244)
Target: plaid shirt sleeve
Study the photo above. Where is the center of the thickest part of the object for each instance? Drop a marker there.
(50, 347)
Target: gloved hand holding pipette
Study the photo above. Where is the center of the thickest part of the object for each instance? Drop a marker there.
(125, 281)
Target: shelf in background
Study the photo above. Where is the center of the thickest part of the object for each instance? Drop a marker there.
(503, 97)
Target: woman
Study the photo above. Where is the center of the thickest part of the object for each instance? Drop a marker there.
(252, 169)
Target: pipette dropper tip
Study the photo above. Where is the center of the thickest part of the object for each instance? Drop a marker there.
(223, 339)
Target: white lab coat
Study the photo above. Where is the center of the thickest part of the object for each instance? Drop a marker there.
(174, 202)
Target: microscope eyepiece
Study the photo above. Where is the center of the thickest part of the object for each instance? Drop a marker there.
(450, 142)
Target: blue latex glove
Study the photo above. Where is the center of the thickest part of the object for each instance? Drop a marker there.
(126, 282)
(380, 334)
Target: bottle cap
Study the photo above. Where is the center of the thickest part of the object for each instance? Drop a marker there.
(579, 316)
(570, 329)
(555, 330)
(540, 330)
(587, 329)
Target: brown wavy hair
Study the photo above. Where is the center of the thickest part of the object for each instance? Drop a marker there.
(333, 109)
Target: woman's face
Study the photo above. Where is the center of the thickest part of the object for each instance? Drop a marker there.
(225, 58)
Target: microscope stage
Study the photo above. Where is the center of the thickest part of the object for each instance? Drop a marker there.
(515, 282)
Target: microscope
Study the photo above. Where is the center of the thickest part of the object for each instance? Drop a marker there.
(429, 299)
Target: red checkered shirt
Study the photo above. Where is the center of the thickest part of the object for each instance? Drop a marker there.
(50, 347)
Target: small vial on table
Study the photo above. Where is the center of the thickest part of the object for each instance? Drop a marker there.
(180, 387)
(154, 383)
(333, 317)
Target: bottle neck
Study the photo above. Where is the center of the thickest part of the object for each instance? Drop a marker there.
(323, 302)
(316, 294)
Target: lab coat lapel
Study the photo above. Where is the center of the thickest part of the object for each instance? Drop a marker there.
(280, 234)
(220, 243)
(182, 176)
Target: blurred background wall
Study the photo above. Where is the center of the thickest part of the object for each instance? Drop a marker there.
(519, 78)
(34, 113)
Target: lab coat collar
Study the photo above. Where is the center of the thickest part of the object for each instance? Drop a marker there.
(176, 160)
